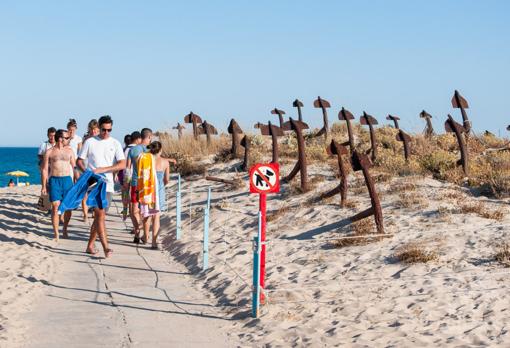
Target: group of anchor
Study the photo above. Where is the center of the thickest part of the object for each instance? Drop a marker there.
(358, 160)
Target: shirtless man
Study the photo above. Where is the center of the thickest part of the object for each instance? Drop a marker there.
(59, 161)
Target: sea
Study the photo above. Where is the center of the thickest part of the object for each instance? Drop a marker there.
(19, 158)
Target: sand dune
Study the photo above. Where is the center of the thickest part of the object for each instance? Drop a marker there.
(320, 295)
(24, 250)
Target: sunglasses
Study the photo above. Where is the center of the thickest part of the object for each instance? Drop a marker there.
(106, 130)
(67, 138)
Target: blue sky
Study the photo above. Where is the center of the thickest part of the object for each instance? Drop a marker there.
(149, 63)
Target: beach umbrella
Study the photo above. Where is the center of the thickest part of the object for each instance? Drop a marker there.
(17, 174)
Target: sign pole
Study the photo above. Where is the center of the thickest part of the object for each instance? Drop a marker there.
(178, 209)
(262, 208)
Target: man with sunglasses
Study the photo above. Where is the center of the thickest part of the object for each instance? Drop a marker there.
(105, 156)
(59, 161)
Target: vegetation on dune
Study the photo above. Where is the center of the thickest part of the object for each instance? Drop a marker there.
(438, 156)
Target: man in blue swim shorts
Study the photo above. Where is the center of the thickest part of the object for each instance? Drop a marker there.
(58, 163)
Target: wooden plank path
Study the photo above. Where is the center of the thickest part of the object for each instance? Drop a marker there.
(137, 298)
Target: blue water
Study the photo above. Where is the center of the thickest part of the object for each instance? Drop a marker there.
(19, 158)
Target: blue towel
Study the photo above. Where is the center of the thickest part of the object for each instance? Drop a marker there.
(94, 184)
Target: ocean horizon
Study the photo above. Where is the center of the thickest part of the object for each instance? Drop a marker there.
(19, 158)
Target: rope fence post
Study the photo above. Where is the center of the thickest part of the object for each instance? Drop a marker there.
(205, 249)
(178, 209)
(256, 270)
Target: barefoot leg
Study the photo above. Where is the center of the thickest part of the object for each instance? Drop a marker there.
(67, 218)
(55, 219)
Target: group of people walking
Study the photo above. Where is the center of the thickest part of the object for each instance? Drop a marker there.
(73, 168)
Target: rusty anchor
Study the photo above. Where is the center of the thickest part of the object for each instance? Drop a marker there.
(300, 166)
(361, 162)
(401, 136)
(207, 129)
(179, 128)
(280, 114)
(459, 102)
(394, 119)
(195, 120)
(429, 130)
(246, 143)
(337, 149)
(347, 116)
(453, 127)
(274, 132)
(323, 105)
(235, 131)
(369, 120)
(298, 104)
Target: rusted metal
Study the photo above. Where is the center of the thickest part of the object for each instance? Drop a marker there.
(453, 127)
(459, 102)
(337, 149)
(280, 114)
(406, 140)
(300, 166)
(195, 120)
(429, 130)
(225, 181)
(274, 132)
(401, 136)
(361, 162)
(370, 121)
(347, 116)
(323, 104)
(179, 128)
(298, 104)
(394, 119)
(235, 131)
(207, 129)
(246, 143)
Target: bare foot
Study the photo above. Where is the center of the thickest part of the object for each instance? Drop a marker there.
(91, 251)
(85, 218)
(108, 253)
(65, 235)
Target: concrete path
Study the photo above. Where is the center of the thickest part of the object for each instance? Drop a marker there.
(136, 298)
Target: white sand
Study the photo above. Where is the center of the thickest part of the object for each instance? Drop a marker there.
(318, 295)
(24, 253)
(357, 295)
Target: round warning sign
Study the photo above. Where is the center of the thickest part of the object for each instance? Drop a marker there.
(265, 178)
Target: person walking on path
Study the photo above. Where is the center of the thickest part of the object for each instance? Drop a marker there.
(59, 161)
(132, 162)
(104, 155)
(136, 139)
(45, 146)
(75, 142)
(92, 131)
(163, 177)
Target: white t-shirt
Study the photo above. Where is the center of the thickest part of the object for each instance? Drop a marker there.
(44, 147)
(102, 153)
(74, 142)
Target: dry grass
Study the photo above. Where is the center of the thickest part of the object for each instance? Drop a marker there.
(405, 186)
(359, 235)
(415, 252)
(481, 210)
(196, 149)
(276, 214)
(502, 254)
(411, 200)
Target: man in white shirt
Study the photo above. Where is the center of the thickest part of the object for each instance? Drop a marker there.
(75, 143)
(45, 146)
(104, 155)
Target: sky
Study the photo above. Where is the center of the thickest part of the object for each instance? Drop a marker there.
(149, 63)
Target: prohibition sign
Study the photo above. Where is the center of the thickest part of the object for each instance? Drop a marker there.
(264, 178)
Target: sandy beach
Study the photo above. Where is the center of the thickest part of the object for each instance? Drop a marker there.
(319, 291)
